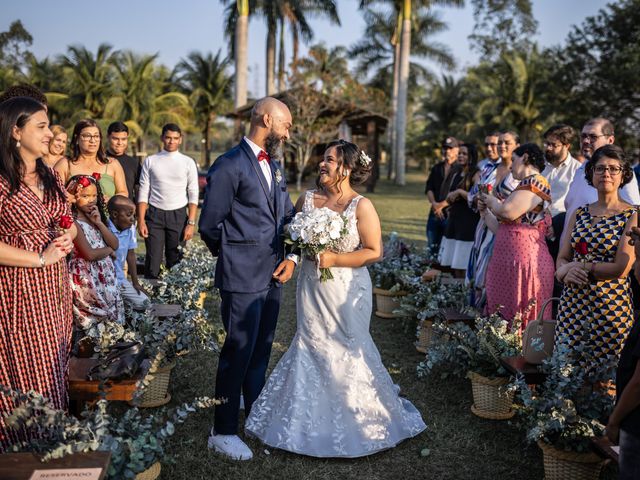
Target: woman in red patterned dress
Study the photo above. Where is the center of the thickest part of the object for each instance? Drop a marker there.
(521, 268)
(35, 318)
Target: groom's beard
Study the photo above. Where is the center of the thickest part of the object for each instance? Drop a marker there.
(274, 146)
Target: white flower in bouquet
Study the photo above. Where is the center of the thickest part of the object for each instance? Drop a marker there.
(316, 231)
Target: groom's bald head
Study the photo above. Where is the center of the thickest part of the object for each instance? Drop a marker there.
(270, 120)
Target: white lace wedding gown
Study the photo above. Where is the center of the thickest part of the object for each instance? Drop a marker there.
(330, 395)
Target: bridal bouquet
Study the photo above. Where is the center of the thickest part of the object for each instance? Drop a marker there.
(316, 231)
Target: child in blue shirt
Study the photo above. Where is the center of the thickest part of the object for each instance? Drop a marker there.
(121, 216)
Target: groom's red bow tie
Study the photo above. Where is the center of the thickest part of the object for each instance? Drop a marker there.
(264, 156)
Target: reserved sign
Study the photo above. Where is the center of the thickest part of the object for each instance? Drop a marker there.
(67, 474)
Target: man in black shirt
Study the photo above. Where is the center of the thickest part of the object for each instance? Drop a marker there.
(624, 423)
(437, 189)
(118, 137)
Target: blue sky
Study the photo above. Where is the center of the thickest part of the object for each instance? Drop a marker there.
(174, 28)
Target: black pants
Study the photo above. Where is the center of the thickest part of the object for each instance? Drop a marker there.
(250, 322)
(557, 223)
(165, 234)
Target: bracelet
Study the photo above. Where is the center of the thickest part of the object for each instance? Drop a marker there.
(191, 222)
(41, 259)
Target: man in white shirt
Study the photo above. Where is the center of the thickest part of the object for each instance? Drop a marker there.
(595, 133)
(559, 171)
(167, 201)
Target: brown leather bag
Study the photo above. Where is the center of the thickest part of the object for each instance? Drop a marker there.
(539, 333)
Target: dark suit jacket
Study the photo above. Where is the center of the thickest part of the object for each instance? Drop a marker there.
(242, 223)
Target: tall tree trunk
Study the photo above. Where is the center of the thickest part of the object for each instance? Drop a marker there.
(401, 115)
(204, 153)
(281, 58)
(295, 42)
(393, 151)
(271, 60)
(241, 41)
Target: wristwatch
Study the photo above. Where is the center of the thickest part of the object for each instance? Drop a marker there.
(191, 222)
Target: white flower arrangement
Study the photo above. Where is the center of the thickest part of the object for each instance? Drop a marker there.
(316, 231)
(365, 159)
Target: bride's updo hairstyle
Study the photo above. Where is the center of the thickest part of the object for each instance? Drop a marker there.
(351, 158)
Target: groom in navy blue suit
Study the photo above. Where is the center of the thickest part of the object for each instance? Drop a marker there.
(245, 209)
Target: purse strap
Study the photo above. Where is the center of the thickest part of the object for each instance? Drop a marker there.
(544, 307)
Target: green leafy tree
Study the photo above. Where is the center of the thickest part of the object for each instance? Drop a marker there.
(205, 80)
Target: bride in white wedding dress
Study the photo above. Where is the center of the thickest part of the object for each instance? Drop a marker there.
(330, 395)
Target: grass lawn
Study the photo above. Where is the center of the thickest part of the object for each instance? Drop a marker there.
(456, 445)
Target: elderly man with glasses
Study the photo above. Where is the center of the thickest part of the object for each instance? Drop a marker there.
(596, 133)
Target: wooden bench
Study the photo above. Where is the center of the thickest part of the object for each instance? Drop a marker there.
(453, 315)
(603, 447)
(20, 466)
(533, 374)
(82, 390)
(163, 310)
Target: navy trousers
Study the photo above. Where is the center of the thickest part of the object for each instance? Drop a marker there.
(250, 322)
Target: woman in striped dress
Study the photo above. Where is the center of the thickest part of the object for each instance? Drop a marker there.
(35, 318)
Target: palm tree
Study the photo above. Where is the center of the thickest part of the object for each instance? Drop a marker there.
(144, 98)
(403, 13)
(205, 79)
(379, 50)
(236, 20)
(88, 78)
(325, 69)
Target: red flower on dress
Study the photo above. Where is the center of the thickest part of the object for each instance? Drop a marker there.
(582, 248)
(96, 175)
(489, 188)
(66, 222)
(102, 279)
(76, 279)
(84, 182)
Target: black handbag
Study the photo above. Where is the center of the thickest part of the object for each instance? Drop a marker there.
(122, 361)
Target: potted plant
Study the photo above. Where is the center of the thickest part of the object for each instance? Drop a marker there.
(398, 271)
(424, 301)
(475, 353)
(569, 408)
(136, 443)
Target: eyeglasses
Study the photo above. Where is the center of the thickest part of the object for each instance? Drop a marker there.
(552, 145)
(612, 169)
(592, 137)
(88, 137)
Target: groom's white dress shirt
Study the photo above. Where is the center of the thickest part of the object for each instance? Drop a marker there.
(264, 166)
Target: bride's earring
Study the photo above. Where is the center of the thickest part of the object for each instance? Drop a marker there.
(18, 144)
(345, 173)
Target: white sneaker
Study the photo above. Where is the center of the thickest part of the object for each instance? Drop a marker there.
(230, 446)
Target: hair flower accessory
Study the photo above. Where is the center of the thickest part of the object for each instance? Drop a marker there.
(365, 159)
(84, 182)
(96, 175)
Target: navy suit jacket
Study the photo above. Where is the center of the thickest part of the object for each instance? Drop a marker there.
(242, 222)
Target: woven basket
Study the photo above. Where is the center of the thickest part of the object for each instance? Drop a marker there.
(561, 465)
(491, 400)
(155, 394)
(150, 473)
(386, 302)
(426, 333)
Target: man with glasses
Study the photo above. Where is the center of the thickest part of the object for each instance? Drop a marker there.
(596, 133)
(167, 202)
(118, 142)
(560, 170)
(437, 190)
(491, 147)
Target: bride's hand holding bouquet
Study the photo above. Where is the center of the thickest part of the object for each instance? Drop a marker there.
(318, 233)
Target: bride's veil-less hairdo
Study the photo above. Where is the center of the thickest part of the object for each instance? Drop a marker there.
(351, 158)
